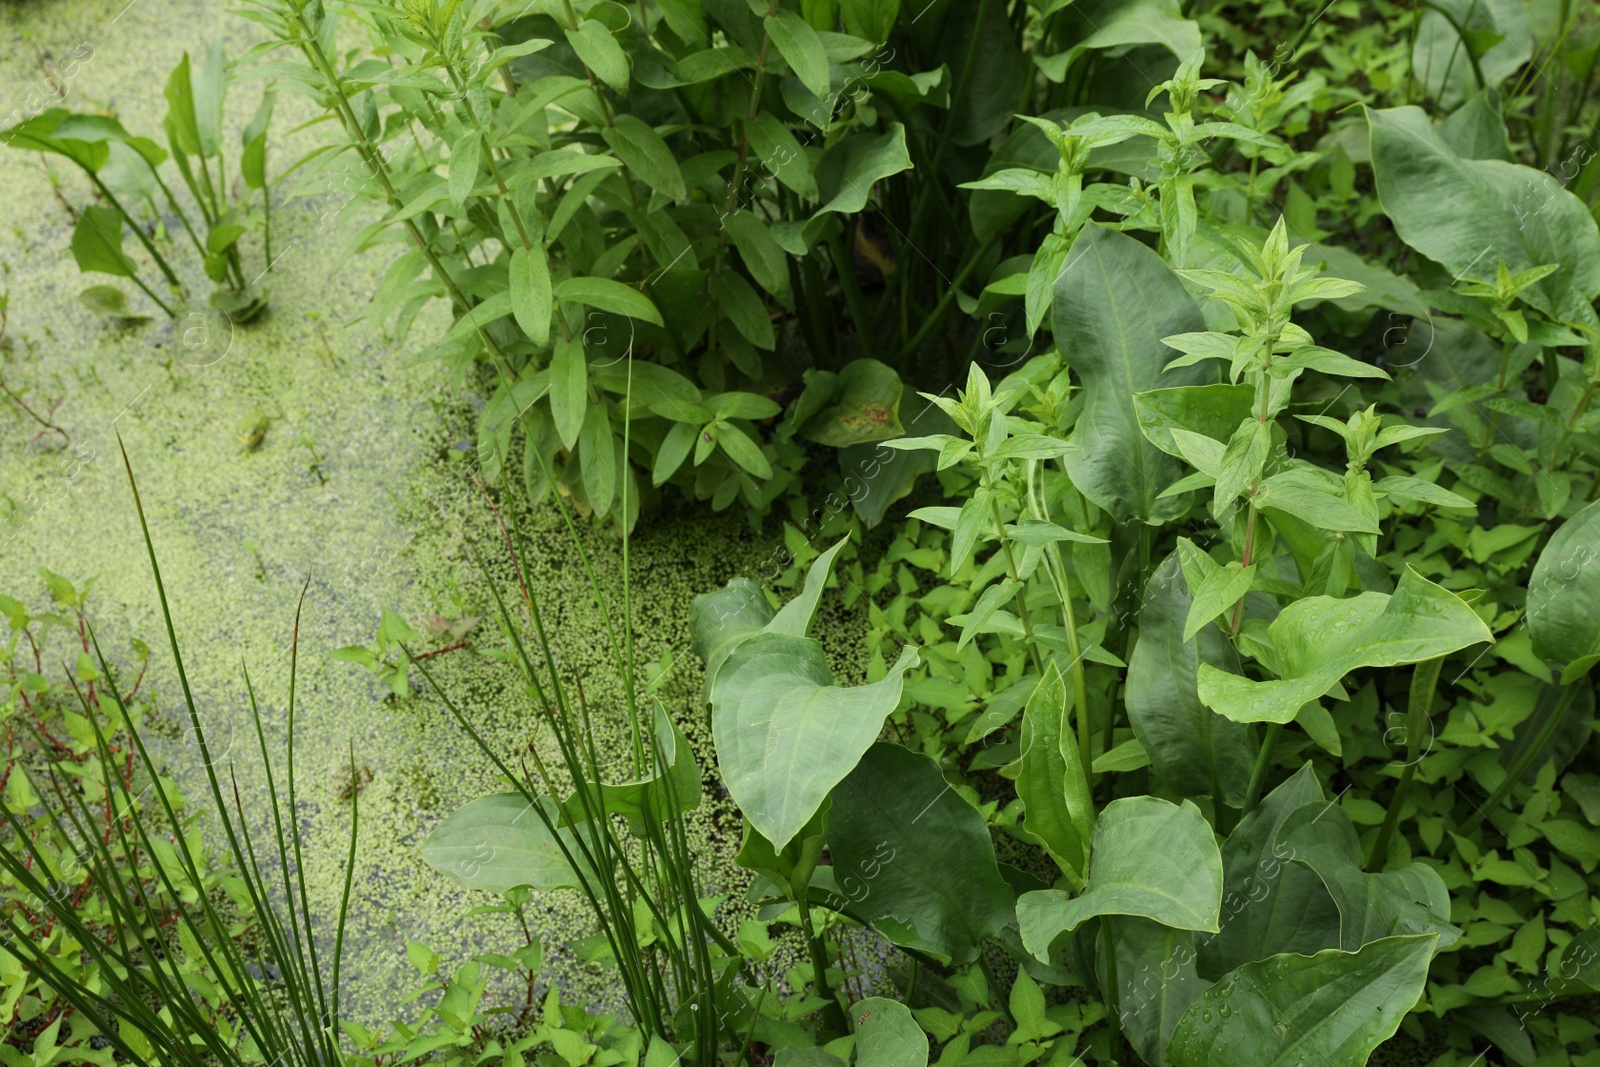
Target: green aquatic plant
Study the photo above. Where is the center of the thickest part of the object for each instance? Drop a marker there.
(151, 946)
(118, 162)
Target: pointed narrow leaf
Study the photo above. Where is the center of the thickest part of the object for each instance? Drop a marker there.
(1195, 751)
(531, 299)
(569, 389)
(801, 48)
(1051, 782)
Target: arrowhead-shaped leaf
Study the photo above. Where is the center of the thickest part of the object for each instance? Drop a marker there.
(785, 734)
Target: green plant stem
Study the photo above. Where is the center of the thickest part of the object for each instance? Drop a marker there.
(1258, 774)
(1108, 946)
(852, 289)
(833, 1015)
(1055, 567)
(149, 246)
(183, 216)
(1424, 684)
(1547, 731)
(937, 315)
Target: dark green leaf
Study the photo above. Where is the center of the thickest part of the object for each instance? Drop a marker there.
(913, 858)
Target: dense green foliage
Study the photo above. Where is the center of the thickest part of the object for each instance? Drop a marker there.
(1229, 695)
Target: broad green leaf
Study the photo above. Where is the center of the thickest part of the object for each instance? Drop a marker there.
(1114, 302)
(209, 89)
(849, 168)
(569, 389)
(607, 295)
(1195, 751)
(597, 455)
(1149, 857)
(97, 242)
(1315, 496)
(870, 20)
(1476, 129)
(1472, 214)
(1156, 983)
(601, 53)
(792, 866)
(1051, 782)
(1461, 46)
(721, 620)
(1121, 24)
(107, 301)
(913, 858)
(800, 46)
(181, 125)
(866, 407)
(763, 257)
(1218, 592)
(253, 155)
(1271, 904)
(794, 618)
(740, 448)
(1563, 595)
(1213, 411)
(1320, 639)
(1330, 1009)
(531, 300)
(60, 131)
(644, 152)
(499, 842)
(887, 1035)
(785, 734)
(1410, 900)
(978, 40)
